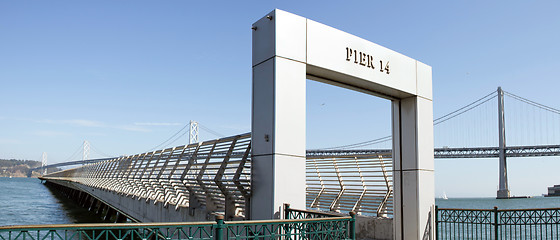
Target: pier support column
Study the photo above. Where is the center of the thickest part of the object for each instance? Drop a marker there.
(110, 213)
(93, 204)
(121, 218)
(101, 208)
(413, 168)
(278, 115)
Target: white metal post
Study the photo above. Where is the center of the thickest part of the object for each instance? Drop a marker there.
(278, 119)
(413, 168)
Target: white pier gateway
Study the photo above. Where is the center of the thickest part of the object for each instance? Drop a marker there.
(287, 50)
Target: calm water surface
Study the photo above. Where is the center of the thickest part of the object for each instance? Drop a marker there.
(489, 203)
(25, 201)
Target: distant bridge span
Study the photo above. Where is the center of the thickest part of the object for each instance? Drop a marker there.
(440, 153)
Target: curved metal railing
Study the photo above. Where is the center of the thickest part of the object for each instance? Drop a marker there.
(208, 172)
(217, 174)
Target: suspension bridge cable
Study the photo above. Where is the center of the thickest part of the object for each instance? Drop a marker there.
(96, 150)
(369, 144)
(73, 154)
(360, 144)
(177, 138)
(210, 131)
(536, 104)
(464, 109)
(437, 121)
(480, 99)
(169, 138)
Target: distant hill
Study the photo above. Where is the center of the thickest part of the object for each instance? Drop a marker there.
(19, 168)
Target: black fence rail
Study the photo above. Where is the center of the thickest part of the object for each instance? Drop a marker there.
(497, 223)
(310, 227)
(343, 230)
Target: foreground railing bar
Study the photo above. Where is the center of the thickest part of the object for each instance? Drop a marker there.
(302, 225)
(86, 226)
(278, 221)
(103, 225)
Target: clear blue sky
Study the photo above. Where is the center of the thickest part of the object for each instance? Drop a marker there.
(126, 75)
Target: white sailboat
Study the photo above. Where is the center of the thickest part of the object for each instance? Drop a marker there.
(444, 196)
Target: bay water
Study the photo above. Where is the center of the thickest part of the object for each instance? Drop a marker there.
(26, 201)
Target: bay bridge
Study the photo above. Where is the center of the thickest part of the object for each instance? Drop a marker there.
(541, 148)
(214, 175)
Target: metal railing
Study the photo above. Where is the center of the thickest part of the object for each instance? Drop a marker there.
(497, 223)
(357, 183)
(215, 174)
(342, 227)
(291, 213)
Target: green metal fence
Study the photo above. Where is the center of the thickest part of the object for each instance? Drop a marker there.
(497, 223)
(326, 227)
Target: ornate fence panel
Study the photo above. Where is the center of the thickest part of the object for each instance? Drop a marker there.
(122, 231)
(341, 227)
(361, 183)
(214, 173)
(498, 224)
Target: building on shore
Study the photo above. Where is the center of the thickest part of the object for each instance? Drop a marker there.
(553, 191)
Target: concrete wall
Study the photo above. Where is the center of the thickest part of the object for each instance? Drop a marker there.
(148, 211)
(374, 228)
(140, 209)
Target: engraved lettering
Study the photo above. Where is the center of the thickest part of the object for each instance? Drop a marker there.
(386, 69)
(362, 59)
(366, 60)
(370, 62)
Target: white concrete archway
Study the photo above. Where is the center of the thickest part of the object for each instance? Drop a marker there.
(287, 50)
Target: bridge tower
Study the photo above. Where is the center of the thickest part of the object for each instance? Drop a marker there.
(85, 152)
(503, 191)
(44, 163)
(193, 132)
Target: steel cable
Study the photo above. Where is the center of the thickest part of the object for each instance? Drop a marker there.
(164, 142)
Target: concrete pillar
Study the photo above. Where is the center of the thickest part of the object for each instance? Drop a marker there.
(121, 218)
(230, 208)
(101, 208)
(278, 115)
(85, 200)
(93, 204)
(110, 213)
(193, 203)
